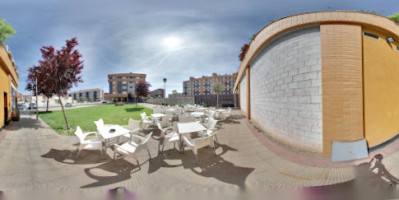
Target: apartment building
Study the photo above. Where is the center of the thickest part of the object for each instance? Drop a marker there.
(158, 93)
(122, 86)
(203, 85)
(90, 95)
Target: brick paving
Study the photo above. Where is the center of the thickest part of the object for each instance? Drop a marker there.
(35, 158)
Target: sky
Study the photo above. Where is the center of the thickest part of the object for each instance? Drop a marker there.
(172, 39)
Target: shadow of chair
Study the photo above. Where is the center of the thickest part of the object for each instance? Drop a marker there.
(69, 156)
(121, 170)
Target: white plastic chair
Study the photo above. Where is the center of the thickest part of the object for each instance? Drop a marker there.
(145, 121)
(89, 144)
(168, 137)
(198, 143)
(226, 114)
(131, 148)
(211, 114)
(100, 123)
(133, 126)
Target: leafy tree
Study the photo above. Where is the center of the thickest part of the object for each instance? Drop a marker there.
(244, 49)
(395, 17)
(62, 69)
(141, 89)
(174, 92)
(6, 31)
(44, 85)
(218, 88)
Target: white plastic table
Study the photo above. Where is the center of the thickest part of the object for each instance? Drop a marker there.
(189, 127)
(197, 114)
(157, 116)
(112, 138)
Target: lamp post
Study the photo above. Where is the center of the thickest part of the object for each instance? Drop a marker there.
(37, 105)
(164, 87)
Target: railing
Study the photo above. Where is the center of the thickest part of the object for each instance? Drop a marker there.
(172, 101)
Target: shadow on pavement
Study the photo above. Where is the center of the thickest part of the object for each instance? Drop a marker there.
(233, 119)
(116, 171)
(209, 165)
(25, 122)
(69, 156)
(367, 184)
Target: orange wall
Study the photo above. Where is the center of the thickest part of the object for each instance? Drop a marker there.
(4, 87)
(341, 59)
(381, 88)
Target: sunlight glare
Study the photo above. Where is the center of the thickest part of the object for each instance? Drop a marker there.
(171, 42)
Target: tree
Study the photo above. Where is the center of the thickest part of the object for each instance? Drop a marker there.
(218, 88)
(44, 85)
(174, 92)
(141, 89)
(395, 17)
(244, 50)
(62, 69)
(6, 31)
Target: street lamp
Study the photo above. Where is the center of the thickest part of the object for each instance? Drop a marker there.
(164, 87)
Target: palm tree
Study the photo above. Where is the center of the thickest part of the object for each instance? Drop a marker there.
(218, 88)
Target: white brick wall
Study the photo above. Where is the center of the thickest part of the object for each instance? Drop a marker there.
(243, 93)
(285, 88)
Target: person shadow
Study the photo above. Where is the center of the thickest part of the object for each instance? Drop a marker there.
(381, 170)
(374, 181)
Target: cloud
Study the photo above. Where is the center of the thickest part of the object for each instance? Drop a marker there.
(127, 35)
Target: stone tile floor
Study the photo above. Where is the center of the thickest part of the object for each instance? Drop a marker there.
(35, 158)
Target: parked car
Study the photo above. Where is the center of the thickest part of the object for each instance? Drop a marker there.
(69, 105)
(32, 106)
(21, 106)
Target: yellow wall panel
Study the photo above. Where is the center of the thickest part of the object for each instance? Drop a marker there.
(4, 87)
(381, 88)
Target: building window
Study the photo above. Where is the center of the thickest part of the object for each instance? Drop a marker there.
(371, 35)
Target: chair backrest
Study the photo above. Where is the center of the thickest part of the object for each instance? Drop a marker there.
(79, 134)
(143, 116)
(165, 122)
(211, 113)
(212, 123)
(146, 139)
(159, 126)
(99, 123)
(133, 124)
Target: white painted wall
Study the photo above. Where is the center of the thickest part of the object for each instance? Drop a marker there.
(243, 93)
(286, 90)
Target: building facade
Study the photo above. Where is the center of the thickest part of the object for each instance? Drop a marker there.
(8, 86)
(175, 95)
(42, 100)
(106, 98)
(122, 86)
(158, 93)
(203, 85)
(89, 95)
(311, 79)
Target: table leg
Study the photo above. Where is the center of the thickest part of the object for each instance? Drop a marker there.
(103, 149)
(181, 144)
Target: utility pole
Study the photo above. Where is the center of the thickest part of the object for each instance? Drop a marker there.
(37, 105)
(164, 87)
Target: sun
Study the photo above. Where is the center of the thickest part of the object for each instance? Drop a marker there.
(171, 42)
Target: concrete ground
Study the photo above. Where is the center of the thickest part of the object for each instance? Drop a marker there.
(34, 158)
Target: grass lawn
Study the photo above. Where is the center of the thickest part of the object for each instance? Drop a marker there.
(85, 117)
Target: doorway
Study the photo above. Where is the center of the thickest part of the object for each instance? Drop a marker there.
(5, 108)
